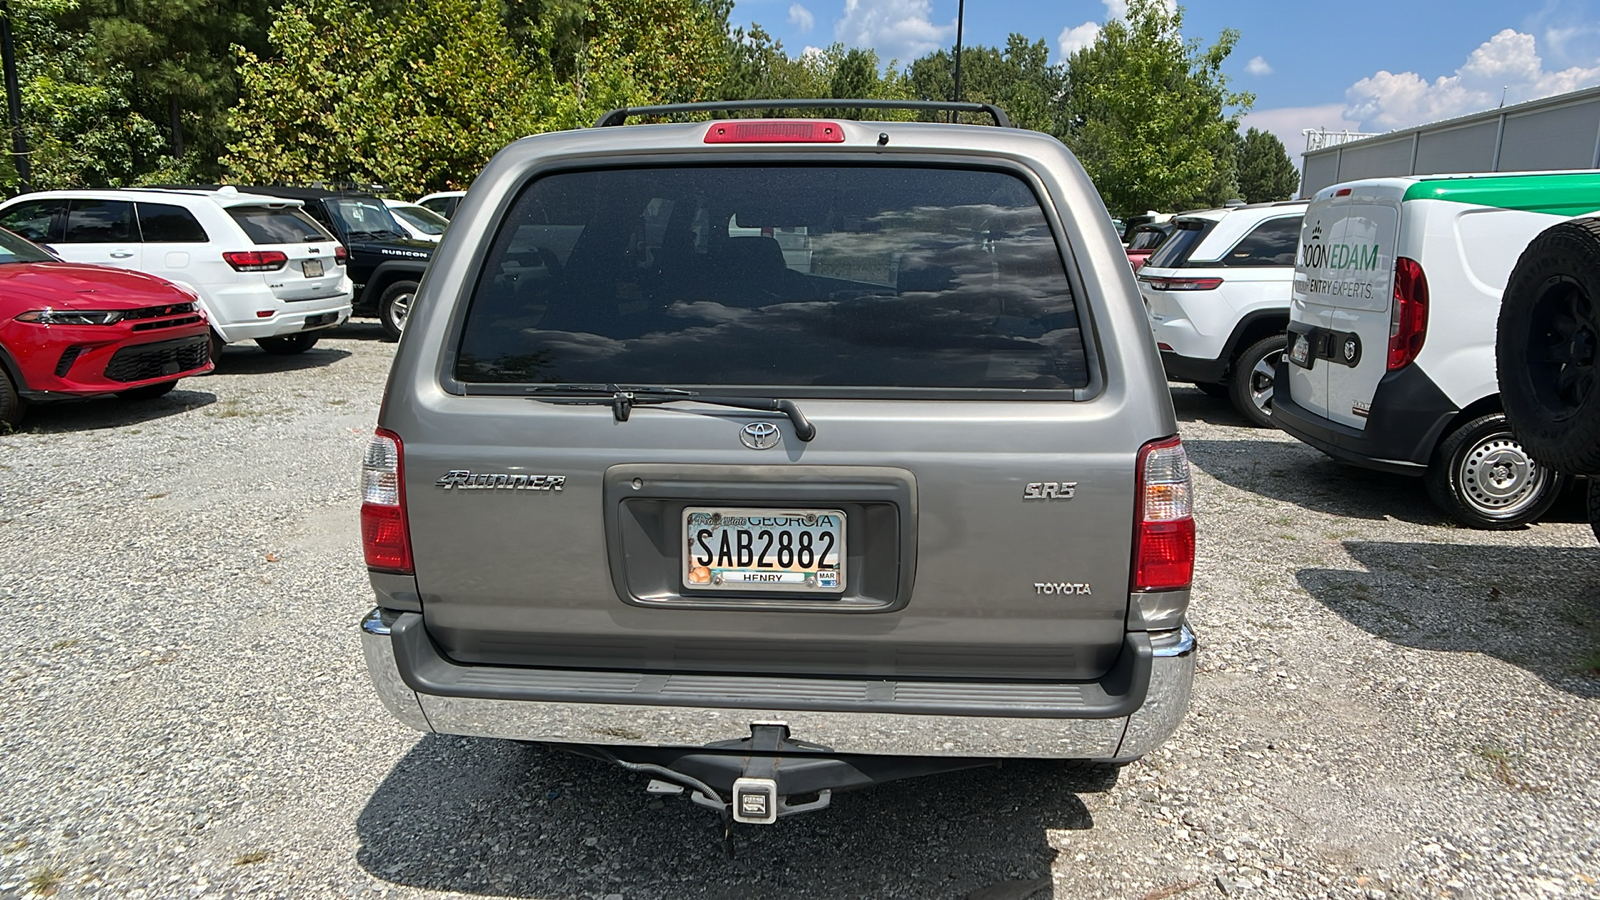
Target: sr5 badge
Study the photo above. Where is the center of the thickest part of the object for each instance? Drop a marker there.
(1050, 490)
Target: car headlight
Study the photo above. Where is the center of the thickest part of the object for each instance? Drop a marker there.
(72, 316)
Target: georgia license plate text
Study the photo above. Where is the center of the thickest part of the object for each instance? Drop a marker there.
(797, 550)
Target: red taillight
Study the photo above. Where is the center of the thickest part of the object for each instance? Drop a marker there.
(1408, 323)
(255, 260)
(385, 533)
(1163, 519)
(775, 131)
(1183, 284)
(340, 254)
(1342, 192)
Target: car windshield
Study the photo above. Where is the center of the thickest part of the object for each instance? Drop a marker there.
(278, 225)
(424, 220)
(365, 216)
(15, 249)
(823, 276)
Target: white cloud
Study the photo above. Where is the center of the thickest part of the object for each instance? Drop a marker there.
(1258, 66)
(801, 18)
(1074, 39)
(1509, 62)
(897, 29)
(1287, 123)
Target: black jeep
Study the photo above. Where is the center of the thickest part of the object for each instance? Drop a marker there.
(385, 265)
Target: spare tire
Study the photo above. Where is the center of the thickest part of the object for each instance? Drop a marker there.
(1547, 346)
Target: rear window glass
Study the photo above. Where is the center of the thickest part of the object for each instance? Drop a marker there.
(1272, 243)
(799, 276)
(164, 223)
(1177, 248)
(1148, 238)
(278, 225)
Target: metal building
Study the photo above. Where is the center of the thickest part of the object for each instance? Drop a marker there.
(1560, 132)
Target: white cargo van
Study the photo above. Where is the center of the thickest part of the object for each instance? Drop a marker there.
(1390, 361)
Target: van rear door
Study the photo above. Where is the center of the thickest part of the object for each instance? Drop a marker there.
(1343, 294)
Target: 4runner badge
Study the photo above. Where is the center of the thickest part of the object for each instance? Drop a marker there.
(467, 480)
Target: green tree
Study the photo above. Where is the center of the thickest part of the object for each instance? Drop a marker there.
(417, 99)
(1146, 111)
(1018, 79)
(175, 59)
(77, 116)
(1265, 170)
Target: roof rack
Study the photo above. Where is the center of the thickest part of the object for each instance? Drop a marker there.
(620, 116)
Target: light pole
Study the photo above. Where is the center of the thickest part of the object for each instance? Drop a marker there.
(961, 15)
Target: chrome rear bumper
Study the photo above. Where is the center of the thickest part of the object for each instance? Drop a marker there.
(852, 732)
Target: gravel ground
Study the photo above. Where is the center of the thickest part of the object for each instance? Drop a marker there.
(1387, 706)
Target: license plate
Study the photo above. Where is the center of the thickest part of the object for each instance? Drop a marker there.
(312, 268)
(1300, 354)
(742, 549)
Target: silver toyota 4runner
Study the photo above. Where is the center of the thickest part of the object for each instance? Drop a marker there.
(773, 457)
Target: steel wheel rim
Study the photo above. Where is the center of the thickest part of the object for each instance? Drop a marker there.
(1262, 375)
(1498, 478)
(399, 308)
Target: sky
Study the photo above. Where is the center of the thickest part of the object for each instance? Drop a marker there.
(1360, 65)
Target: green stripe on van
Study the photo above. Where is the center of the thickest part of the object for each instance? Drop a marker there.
(1567, 194)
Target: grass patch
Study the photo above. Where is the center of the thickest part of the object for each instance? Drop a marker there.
(16, 845)
(157, 496)
(1502, 767)
(45, 882)
(1590, 665)
(252, 858)
(67, 644)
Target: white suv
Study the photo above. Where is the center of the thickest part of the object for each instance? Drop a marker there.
(264, 270)
(1217, 293)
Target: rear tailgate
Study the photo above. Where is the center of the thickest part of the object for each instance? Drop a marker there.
(933, 338)
(1343, 293)
(310, 270)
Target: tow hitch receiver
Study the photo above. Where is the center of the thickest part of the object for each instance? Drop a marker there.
(755, 801)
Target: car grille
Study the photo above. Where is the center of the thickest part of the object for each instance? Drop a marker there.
(155, 360)
(68, 357)
(165, 323)
(157, 312)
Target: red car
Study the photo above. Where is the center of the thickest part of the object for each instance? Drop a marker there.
(74, 331)
(1147, 239)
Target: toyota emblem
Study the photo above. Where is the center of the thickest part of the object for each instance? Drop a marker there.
(759, 436)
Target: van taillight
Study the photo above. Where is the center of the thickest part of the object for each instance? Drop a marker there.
(1163, 553)
(255, 260)
(1408, 323)
(385, 535)
(775, 131)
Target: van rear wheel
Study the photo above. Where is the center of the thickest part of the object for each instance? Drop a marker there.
(1484, 478)
(1250, 382)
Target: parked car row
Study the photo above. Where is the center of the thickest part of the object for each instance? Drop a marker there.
(1363, 322)
(201, 266)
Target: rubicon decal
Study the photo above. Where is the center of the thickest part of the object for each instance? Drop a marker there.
(467, 480)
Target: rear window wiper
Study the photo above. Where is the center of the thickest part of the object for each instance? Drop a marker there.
(623, 400)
